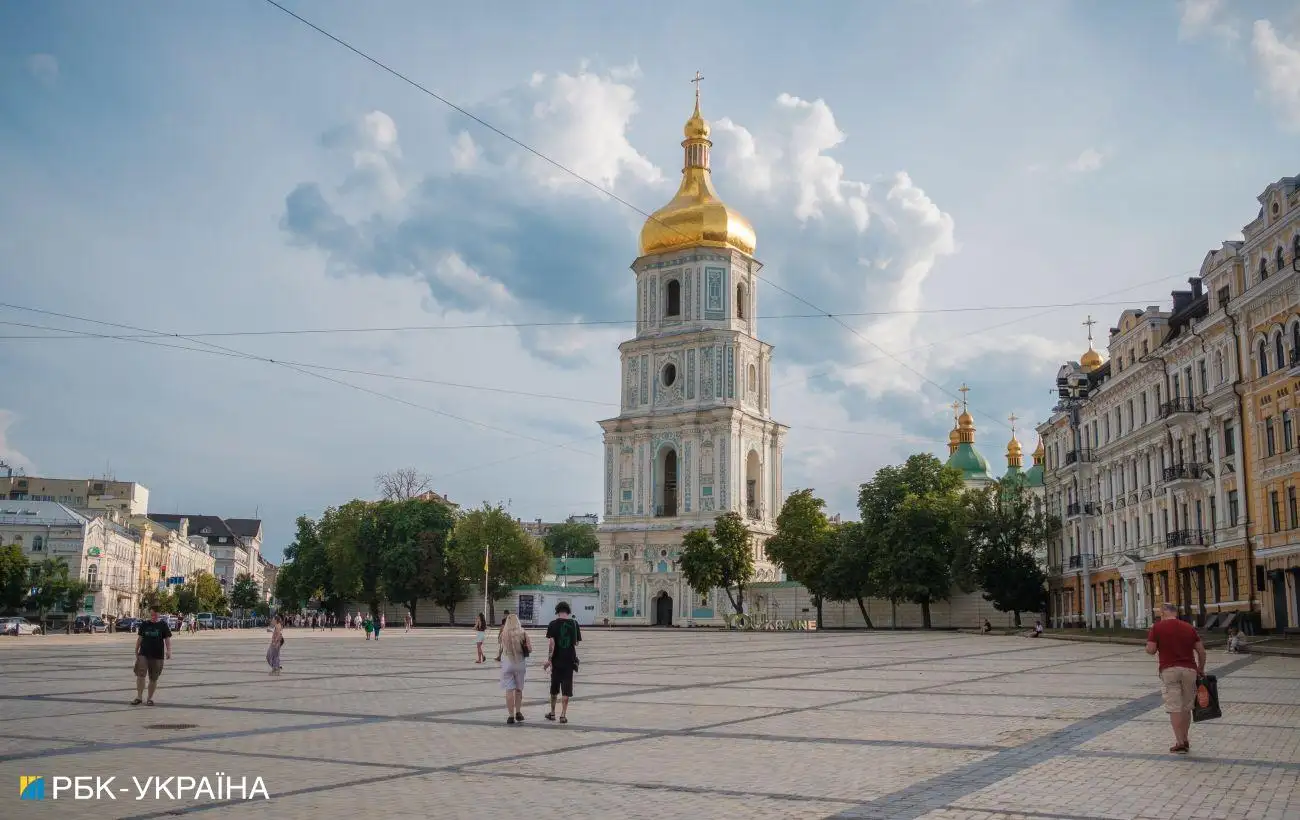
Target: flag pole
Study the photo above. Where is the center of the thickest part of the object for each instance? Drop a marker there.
(487, 563)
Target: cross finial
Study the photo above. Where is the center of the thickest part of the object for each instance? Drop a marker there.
(1013, 418)
(698, 77)
(1089, 323)
(963, 390)
(956, 408)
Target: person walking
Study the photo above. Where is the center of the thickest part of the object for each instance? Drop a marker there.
(562, 639)
(480, 635)
(515, 647)
(367, 625)
(277, 641)
(1181, 656)
(153, 645)
(378, 624)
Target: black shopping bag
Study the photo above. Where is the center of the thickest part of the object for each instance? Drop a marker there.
(1206, 705)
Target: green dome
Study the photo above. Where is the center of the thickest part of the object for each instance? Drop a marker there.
(971, 462)
(1034, 476)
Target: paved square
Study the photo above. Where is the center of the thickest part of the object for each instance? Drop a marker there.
(667, 724)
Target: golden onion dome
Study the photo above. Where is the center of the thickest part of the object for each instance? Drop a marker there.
(696, 216)
(1013, 446)
(954, 437)
(1040, 450)
(1091, 360)
(966, 421)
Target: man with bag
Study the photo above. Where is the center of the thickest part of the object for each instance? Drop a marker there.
(1182, 661)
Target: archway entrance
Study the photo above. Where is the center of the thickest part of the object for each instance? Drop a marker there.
(663, 610)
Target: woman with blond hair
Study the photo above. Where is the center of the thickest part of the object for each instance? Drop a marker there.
(514, 649)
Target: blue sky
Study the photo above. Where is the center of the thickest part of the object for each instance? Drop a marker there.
(215, 168)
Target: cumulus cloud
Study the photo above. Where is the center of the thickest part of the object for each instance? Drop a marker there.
(371, 144)
(8, 453)
(1089, 160)
(44, 67)
(1201, 18)
(1278, 61)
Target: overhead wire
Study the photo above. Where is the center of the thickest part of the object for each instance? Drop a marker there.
(574, 323)
(615, 197)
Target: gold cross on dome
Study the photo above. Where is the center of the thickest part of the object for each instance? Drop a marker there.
(956, 409)
(1089, 323)
(963, 390)
(697, 79)
(1013, 418)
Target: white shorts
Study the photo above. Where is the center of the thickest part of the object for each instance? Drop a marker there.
(513, 674)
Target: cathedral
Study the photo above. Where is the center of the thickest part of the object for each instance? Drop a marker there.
(694, 437)
(975, 471)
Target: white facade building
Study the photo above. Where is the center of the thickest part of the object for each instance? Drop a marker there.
(694, 437)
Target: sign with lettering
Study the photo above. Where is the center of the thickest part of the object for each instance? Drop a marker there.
(760, 621)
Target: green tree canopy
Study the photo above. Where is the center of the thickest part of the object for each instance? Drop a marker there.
(572, 538)
(1005, 524)
(203, 592)
(246, 592)
(850, 576)
(162, 600)
(15, 578)
(50, 580)
(913, 520)
(354, 536)
(804, 545)
(414, 561)
(516, 557)
(721, 559)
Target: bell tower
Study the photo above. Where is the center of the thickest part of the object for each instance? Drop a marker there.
(694, 437)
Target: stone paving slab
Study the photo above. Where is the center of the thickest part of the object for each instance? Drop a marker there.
(668, 723)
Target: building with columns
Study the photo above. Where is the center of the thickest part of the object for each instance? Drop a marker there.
(694, 437)
(1258, 278)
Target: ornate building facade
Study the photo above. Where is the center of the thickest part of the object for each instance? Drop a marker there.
(694, 437)
(1261, 283)
(1174, 464)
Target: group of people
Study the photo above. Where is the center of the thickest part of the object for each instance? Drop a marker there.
(514, 647)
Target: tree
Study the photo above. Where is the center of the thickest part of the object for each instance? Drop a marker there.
(721, 559)
(805, 545)
(50, 582)
(262, 609)
(353, 539)
(850, 576)
(306, 573)
(572, 538)
(203, 593)
(74, 595)
(15, 578)
(912, 523)
(162, 600)
(403, 484)
(417, 533)
(246, 593)
(516, 557)
(1004, 526)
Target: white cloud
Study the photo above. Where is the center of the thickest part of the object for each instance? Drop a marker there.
(44, 67)
(1279, 64)
(464, 152)
(8, 453)
(578, 120)
(1198, 18)
(1089, 160)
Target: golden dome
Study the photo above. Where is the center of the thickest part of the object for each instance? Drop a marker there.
(696, 216)
(1013, 446)
(966, 421)
(954, 437)
(1091, 360)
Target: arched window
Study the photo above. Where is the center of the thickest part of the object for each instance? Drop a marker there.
(1218, 367)
(740, 301)
(92, 574)
(38, 544)
(1263, 358)
(753, 378)
(673, 298)
(1279, 350)
(1263, 268)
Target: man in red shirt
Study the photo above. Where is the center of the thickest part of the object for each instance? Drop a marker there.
(1182, 661)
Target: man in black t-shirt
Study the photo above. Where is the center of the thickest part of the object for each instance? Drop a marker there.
(562, 639)
(153, 644)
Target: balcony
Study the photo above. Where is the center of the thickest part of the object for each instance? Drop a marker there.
(1187, 471)
(1079, 508)
(1189, 538)
(94, 586)
(1182, 404)
(1082, 561)
(753, 513)
(1079, 457)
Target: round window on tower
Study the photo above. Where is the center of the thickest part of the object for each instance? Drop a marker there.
(669, 374)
